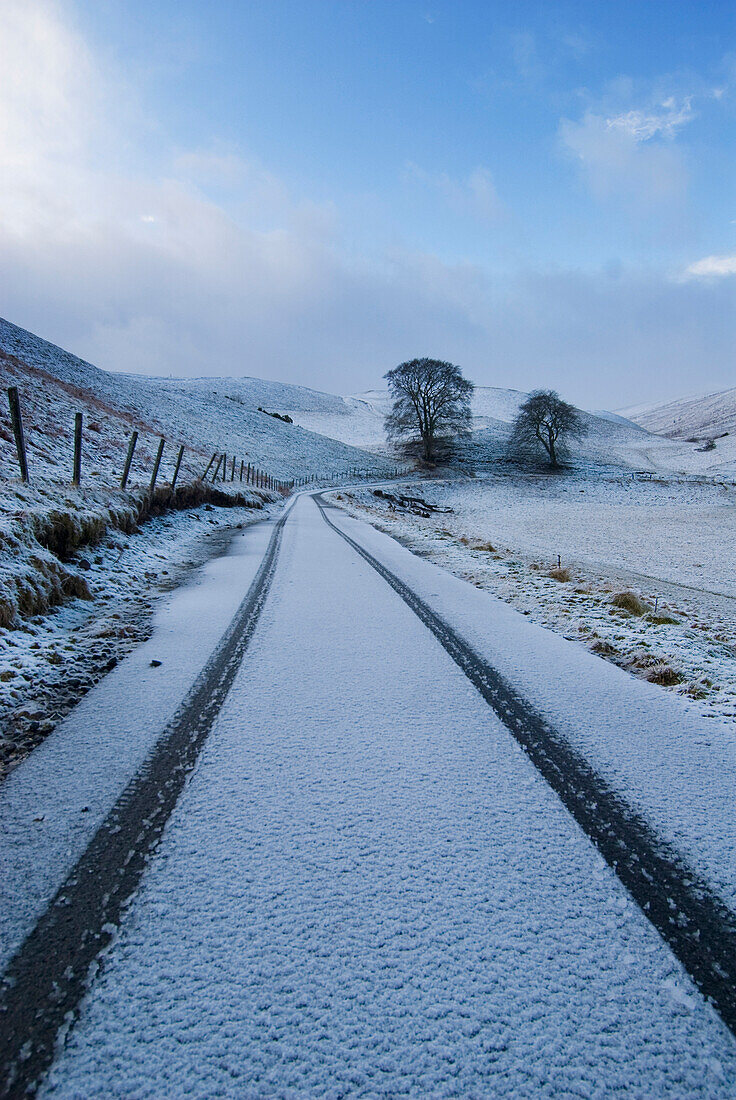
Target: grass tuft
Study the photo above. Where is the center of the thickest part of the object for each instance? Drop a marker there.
(663, 674)
(559, 573)
(629, 601)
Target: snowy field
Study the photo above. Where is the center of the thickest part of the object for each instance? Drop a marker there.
(669, 540)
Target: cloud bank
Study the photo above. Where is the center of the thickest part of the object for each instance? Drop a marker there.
(205, 262)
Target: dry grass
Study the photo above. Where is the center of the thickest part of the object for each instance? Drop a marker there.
(629, 601)
(663, 674)
(37, 546)
(559, 573)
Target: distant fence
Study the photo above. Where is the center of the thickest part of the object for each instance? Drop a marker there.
(222, 466)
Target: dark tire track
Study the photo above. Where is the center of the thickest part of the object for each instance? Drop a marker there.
(693, 920)
(44, 982)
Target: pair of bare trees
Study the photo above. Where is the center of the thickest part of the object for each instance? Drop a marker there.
(431, 406)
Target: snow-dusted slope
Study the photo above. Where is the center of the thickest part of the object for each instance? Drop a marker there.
(612, 438)
(703, 416)
(359, 418)
(693, 422)
(206, 414)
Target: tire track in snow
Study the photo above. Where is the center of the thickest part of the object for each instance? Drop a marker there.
(52, 970)
(693, 920)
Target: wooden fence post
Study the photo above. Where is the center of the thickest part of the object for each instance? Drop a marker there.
(17, 421)
(178, 464)
(242, 464)
(128, 459)
(217, 467)
(156, 465)
(77, 468)
(232, 471)
(209, 466)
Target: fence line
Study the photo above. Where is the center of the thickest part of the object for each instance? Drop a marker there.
(249, 473)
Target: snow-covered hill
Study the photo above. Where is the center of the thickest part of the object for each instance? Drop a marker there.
(704, 416)
(612, 438)
(206, 414)
(359, 418)
(330, 435)
(704, 427)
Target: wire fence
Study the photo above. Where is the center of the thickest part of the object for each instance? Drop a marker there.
(222, 466)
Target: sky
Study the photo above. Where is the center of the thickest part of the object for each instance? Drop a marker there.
(313, 191)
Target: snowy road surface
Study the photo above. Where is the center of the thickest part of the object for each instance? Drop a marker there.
(367, 888)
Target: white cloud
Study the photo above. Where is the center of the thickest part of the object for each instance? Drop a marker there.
(644, 125)
(712, 267)
(620, 164)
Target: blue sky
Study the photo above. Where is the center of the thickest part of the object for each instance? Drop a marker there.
(542, 193)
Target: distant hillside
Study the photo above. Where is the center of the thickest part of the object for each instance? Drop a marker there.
(703, 416)
(704, 426)
(206, 414)
(611, 439)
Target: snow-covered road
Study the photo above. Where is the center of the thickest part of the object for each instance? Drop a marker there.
(367, 888)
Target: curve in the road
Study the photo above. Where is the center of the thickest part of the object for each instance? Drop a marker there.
(698, 926)
(45, 981)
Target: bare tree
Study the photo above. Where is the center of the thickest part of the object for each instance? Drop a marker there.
(545, 421)
(431, 401)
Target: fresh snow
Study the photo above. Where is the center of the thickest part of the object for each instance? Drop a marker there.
(358, 895)
(669, 540)
(51, 805)
(652, 746)
(48, 661)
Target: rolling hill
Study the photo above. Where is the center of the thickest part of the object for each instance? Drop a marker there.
(205, 414)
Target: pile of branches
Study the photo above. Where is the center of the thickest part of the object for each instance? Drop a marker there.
(415, 505)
